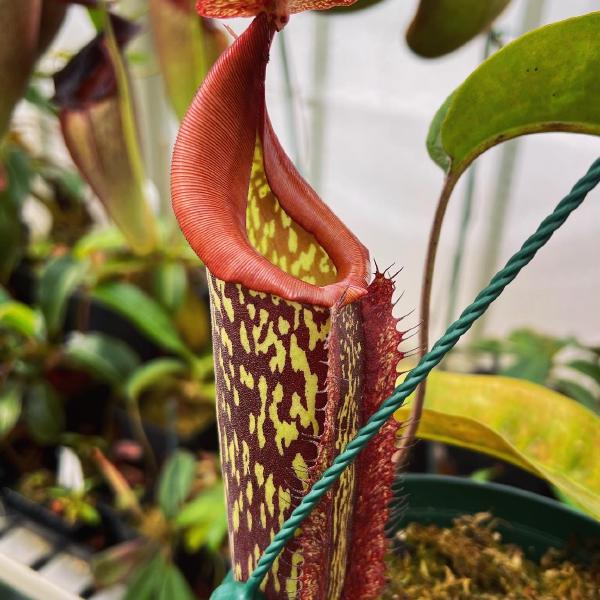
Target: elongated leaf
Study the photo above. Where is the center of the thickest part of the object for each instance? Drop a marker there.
(10, 408)
(187, 47)
(125, 498)
(22, 319)
(543, 81)
(204, 519)
(151, 373)
(13, 192)
(579, 393)
(44, 414)
(591, 369)
(147, 583)
(176, 482)
(170, 285)
(441, 26)
(106, 358)
(520, 422)
(58, 281)
(143, 312)
(174, 585)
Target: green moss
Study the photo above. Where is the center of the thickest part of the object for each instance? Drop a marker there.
(469, 561)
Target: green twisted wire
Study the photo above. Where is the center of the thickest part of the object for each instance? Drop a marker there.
(250, 589)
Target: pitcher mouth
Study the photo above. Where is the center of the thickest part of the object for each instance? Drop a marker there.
(225, 127)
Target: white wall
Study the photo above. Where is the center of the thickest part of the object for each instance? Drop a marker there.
(379, 99)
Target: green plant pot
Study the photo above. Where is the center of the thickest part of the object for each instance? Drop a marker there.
(533, 522)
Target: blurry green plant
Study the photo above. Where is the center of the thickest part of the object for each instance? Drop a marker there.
(189, 513)
(563, 364)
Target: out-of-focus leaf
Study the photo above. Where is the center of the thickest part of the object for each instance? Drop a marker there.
(10, 408)
(591, 369)
(13, 235)
(4, 296)
(119, 562)
(22, 319)
(98, 124)
(109, 239)
(148, 581)
(519, 422)
(170, 285)
(193, 321)
(175, 586)
(150, 374)
(106, 358)
(187, 47)
(543, 81)
(175, 483)
(59, 279)
(34, 96)
(143, 312)
(441, 26)
(579, 393)
(204, 519)
(44, 414)
(125, 498)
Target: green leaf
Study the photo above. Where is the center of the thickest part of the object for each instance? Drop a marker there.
(109, 239)
(44, 414)
(543, 81)
(21, 318)
(520, 422)
(143, 312)
(106, 358)
(12, 231)
(151, 373)
(434, 136)
(441, 26)
(10, 408)
(579, 393)
(59, 279)
(175, 586)
(175, 482)
(170, 285)
(147, 583)
(34, 96)
(591, 369)
(205, 520)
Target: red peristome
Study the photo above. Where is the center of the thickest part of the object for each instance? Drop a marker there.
(223, 9)
(212, 162)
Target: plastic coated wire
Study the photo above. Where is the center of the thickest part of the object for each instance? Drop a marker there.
(483, 300)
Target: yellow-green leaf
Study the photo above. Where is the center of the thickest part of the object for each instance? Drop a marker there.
(545, 80)
(519, 422)
(187, 46)
(441, 26)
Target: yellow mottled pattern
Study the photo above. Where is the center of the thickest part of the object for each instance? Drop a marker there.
(350, 379)
(271, 380)
(277, 237)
